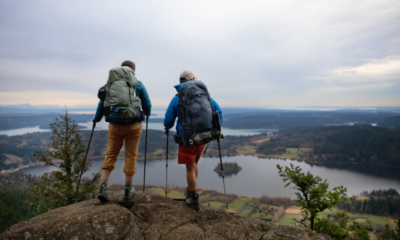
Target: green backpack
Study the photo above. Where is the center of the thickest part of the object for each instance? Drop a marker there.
(121, 105)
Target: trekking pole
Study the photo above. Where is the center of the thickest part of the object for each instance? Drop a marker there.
(84, 161)
(145, 152)
(166, 167)
(222, 169)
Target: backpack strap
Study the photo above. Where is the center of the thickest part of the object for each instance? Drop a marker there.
(181, 107)
(130, 87)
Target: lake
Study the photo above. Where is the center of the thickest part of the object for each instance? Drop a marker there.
(156, 126)
(257, 177)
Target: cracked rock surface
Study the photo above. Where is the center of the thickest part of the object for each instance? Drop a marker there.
(149, 217)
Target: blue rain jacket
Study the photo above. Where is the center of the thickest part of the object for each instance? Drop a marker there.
(141, 92)
(173, 112)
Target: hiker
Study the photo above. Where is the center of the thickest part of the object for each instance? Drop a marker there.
(119, 129)
(189, 155)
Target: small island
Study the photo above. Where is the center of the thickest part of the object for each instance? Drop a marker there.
(229, 169)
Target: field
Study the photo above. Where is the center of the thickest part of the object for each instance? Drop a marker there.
(245, 150)
(252, 207)
(248, 207)
(287, 218)
(362, 198)
(171, 194)
(237, 204)
(291, 153)
(357, 217)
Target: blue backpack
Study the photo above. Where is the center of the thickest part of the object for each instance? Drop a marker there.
(199, 124)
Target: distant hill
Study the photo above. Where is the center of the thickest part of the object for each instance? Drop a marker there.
(339, 145)
(44, 120)
(46, 106)
(15, 122)
(289, 119)
(393, 121)
(28, 109)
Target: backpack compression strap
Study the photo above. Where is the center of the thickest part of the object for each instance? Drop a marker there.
(181, 107)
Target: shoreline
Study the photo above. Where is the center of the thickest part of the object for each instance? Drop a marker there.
(101, 158)
(31, 165)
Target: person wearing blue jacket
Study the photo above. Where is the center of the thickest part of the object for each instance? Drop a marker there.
(187, 155)
(117, 133)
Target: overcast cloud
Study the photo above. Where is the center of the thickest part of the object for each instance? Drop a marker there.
(254, 53)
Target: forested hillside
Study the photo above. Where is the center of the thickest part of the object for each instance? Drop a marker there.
(16, 122)
(392, 122)
(319, 145)
(288, 119)
(13, 197)
(339, 145)
(43, 120)
(16, 151)
(378, 202)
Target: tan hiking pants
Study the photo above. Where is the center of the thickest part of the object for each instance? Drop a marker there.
(116, 135)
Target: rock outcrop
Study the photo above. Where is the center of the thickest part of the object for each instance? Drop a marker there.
(149, 217)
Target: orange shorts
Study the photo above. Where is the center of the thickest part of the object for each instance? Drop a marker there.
(190, 155)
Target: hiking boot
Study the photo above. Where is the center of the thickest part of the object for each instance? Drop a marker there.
(193, 201)
(102, 195)
(129, 192)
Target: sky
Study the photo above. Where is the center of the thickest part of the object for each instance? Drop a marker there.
(252, 53)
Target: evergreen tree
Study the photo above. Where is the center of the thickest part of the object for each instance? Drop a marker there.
(388, 233)
(57, 188)
(397, 230)
(10, 207)
(334, 230)
(313, 196)
(360, 232)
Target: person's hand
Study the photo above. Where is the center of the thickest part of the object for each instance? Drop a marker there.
(93, 119)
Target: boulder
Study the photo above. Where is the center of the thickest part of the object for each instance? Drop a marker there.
(149, 217)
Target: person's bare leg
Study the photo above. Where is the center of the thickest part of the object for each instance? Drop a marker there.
(191, 176)
(128, 180)
(105, 174)
(102, 195)
(197, 172)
